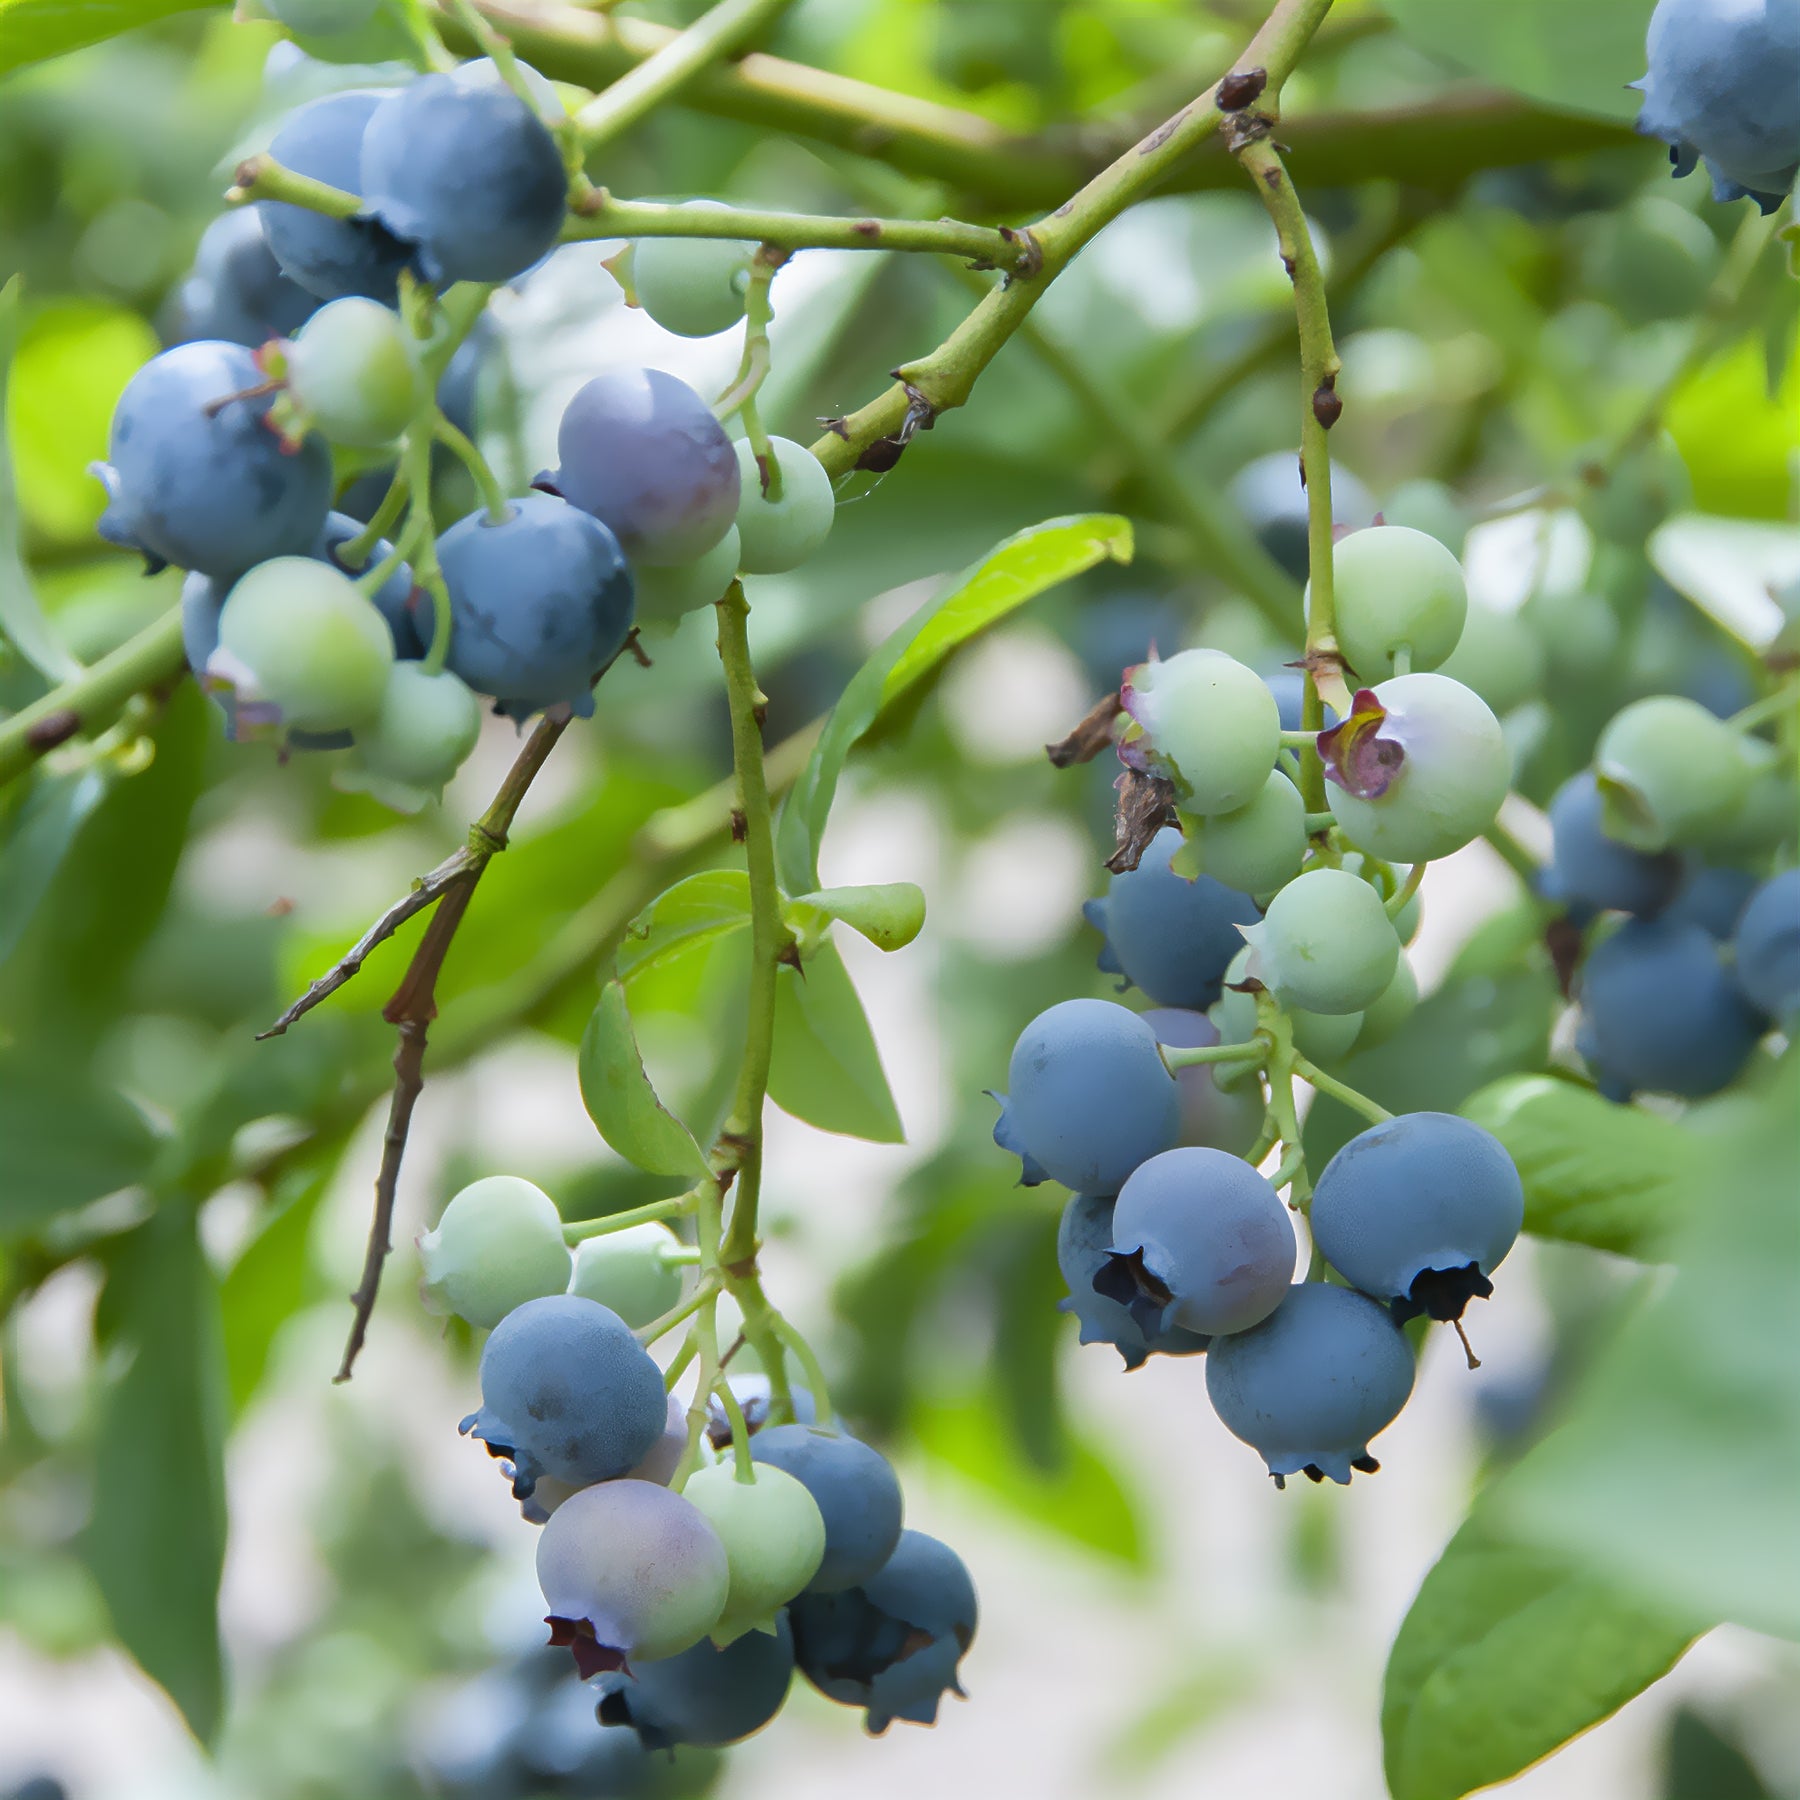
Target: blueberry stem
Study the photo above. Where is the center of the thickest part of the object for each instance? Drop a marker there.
(598, 214)
(1319, 821)
(464, 448)
(1341, 1091)
(263, 178)
(810, 1367)
(1299, 740)
(1395, 904)
(578, 1231)
(704, 1295)
(1319, 408)
(353, 553)
(1254, 1051)
(497, 48)
(743, 1467)
(753, 366)
(1770, 706)
(714, 35)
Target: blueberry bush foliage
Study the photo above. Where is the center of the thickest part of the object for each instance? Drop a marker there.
(487, 485)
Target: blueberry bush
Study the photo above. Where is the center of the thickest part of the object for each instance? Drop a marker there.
(484, 690)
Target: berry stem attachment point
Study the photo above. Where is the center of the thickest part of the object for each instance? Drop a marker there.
(1341, 1091)
(263, 178)
(1257, 1051)
(1396, 902)
(463, 447)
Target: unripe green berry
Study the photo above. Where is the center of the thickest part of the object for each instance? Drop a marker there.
(1498, 657)
(1398, 1001)
(778, 532)
(422, 735)
(1325, 944)
(1320, 1037)
(1396, 590)
(1208, 723)
(774, 1538)
(1669, 773)
(498, 1244)
(633, 1271)
(351, 371)
(693, 287)
(300, 647)
(1254, 849)
(1430, 507)
(664, 594)
(1418, 769)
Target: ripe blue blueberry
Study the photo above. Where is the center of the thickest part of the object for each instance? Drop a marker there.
(197, 478)
(893, 1644)
(631, 1573)
(1712, 897)
(1313, 1383)
(1724, 85)
(1589, 869)
(1768, 947)
(658, 1465)
(236, 291)
(642, 452)
(703, 1696)
(566, 1390)
(332, 257)
(1169, 935)
(1660, 1012)
(857, 1493)
(1090, 1097)
(1084, 1240)
(467, 173)
(1200, 1240)
(1219, 1118)
(1419, 1212)
(540, 603)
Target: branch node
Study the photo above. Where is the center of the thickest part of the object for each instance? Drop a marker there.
(53, 729)
(1241, 88)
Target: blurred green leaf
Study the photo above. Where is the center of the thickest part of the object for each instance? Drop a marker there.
(1675, 1465)
(270, 1281)
(620, 1099)
(1083, 1500)
(156, 1542)
(21, 619)
(38, 837)
(1014, 572)
(890, 916)
(33, 31)
(826, 1068)
(64, 1140)
(1506, 1654)
(1577, 58)
(693, 914)
(1701, 1763)
(1609, 1176)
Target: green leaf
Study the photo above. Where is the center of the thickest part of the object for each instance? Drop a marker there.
(889, 916)
(33, 31)
(40, 834)
(620, 1099)
(64, 1140)
(1676, 1462)
(826, 1069)
(1016, 571)
(270, 1281)
(1609, 1176)
(1506, 1654)
(1577, 58)
(21, 618)
(693, 914)
(156, 1543)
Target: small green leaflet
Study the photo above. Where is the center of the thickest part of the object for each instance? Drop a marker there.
(620, 1099)
(1506, 1654)
(826, 1069)
(1608, 1176)
(693, 914)
(890, 916)
(1016, 571)
(22, 621)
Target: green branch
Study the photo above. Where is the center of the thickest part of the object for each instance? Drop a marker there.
(89, 702)
(599, 214)
(1437, 143)
(670, 67)
(263, 178)
(944, 379)
(1319, 410)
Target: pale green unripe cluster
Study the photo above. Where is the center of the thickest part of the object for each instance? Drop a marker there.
(1325, 944)
(1670, 773)
(637, 1272)
(1254, 849)
(352, 372)
(1208, 723)
(774, 1538)
(1398, 592)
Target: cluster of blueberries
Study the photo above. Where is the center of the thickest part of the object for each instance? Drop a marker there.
(688, 1583)
(304, 622)
(1253, 910)
(1677, 993)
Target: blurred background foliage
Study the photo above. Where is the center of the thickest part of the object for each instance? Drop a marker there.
(1516, 287)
